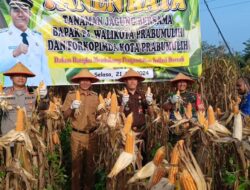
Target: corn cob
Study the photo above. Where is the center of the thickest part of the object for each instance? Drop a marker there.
(187, 181)
(101, 100)
(175, 159)
(20, 120)
(210, 116)
(55, 138)
(114, 103)
(108, 95)
(130, 143)
(148, 90)
(159, 173)
(202, 120)
(236, 109)
(189, 111)
(125, 91)
(159, 155)
(52, 107)
(128, 124)
(78, 96)
(1, 88)
(237, 127)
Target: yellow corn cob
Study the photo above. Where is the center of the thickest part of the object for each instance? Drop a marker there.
(210, 116)
(159, 173)
(20, 120)
(125, 91)
(101, 100)
(148, 90)
(128, 124)
(187, 181)
(178, 93)
(55, 138)
(189, 111)
(109, 95)
(236, 109)
(1, 88)
(202, 120)
(175, 159)
(159, 155)
(114, 103)
(52, 107)
(130, 143)
(78, 96)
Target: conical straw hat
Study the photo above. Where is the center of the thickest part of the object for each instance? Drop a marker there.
(131, 74)
(19, 69)
(84, 74)
(182, 77)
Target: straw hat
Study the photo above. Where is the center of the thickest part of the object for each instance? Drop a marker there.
(84, 74)
(19, 69)
(182, 77)
(131, 74)
(27, 4)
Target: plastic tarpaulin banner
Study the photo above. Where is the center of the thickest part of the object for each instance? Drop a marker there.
(158, 38)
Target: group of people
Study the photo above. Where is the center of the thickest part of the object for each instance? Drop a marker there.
(84, 125)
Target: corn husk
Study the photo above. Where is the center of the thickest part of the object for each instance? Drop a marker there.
(237, 126)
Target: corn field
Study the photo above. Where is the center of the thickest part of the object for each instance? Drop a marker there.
(205, 151)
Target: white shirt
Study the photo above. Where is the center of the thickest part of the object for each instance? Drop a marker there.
(35, 59)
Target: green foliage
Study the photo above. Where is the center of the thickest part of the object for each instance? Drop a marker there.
(56, 171)
(66, 149)
(101, 178)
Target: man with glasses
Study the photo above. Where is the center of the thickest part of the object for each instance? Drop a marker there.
(21, 44)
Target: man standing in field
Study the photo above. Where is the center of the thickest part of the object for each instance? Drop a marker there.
(80, 107)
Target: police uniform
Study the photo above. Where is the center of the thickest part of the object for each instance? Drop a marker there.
(21, 98)
(83, 136)
(35, 59)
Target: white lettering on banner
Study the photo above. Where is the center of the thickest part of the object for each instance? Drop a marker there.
(108, 74)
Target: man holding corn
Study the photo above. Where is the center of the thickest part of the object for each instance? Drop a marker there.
(183, 97)
(19, 96)
(80, 106)
(136, 102)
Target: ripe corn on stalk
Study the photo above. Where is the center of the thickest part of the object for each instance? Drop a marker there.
(40, 86)
(187, 181)
(113, 115)
(125, 91)
(149, 168)
(211, 116)
(78, 97)
(188, 111)
(55, 138)
(159, 173)
(202, 120)
(128, 124)
(237, 126)
(126, 157)
(1, 88)
(148, 91)
(174, 161)
(159, 155)
(101, 103)
(20, 120)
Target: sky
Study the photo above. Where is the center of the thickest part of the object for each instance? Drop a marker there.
(233, 18)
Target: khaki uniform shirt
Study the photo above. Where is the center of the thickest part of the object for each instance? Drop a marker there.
(86, 120)
(21, 98)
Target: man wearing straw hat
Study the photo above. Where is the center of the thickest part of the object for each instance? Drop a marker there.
(21, 44)
(82, 113)
(19, 95)
(181, 83)
(137, 103)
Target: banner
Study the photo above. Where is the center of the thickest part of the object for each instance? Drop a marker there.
(157, 38)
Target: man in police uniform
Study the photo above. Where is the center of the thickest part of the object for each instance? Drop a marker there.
(20, 44)
(83, 138)
(138, 103)
(19, 95)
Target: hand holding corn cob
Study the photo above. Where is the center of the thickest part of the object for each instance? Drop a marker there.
(76, 104)
(149, 96)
